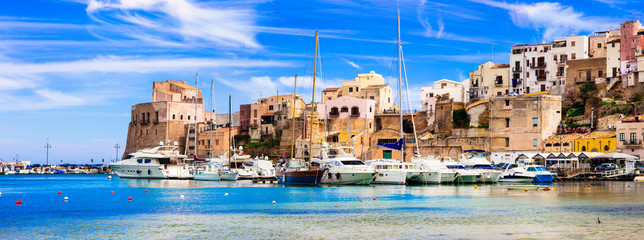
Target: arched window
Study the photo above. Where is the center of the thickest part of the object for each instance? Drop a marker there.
(583, 149)
(606, 148)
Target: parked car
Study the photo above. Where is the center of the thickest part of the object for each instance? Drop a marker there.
(606, 167)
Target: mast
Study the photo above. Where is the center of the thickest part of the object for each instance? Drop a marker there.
(196, 95)
(212, 111)
(402, 150)
(315, 58)
(230, 127)
(293, 118)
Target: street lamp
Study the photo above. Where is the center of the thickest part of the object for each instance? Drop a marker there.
(47, 146)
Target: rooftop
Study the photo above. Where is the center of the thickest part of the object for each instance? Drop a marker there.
(331, 89)
(600, 134)
(564, 137)
(501, 65)
(376, 86)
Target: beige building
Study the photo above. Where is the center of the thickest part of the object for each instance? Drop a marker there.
(630, 133)
(612, 59)
(166, 117)
(216, 141)
(366, 85)
(586, 70)
(270, 114)
(522, 123)
(489, 80)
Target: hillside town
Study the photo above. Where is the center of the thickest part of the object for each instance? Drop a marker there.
(557, 103)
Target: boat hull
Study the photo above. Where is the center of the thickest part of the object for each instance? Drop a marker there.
(228, 177)
(348, 178)
(516, 179)
(467, 178)
(448, 177)
(489, 177)
(151, 171)
(207, 176)
(542, 178)
(427, 177)
(386, 176)
(302, 177)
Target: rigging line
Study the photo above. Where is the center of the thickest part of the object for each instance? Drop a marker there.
(413, 122)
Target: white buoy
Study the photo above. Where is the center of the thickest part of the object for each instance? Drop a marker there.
(181, 196)
(66, 198)
(0, 194)
(109, 177)
(274, 202)
(226, 194)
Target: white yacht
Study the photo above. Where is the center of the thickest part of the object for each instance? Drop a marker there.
(432, 171)
(476, 161)
(209, 172)
(162, 162)
(464, 175)
(262, 168)
(516, 173)
(389, 171)
(342, 167)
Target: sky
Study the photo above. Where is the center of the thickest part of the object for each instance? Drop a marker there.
(70, 70)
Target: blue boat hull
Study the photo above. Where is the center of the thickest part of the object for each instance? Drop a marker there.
(543, 178)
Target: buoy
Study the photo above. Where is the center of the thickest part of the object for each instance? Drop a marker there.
(274, 202)
(374, 199)
(554, 189)
(146, 190)
(129, 198)
(612, 185)
(585, 186)
(526, 189)
(109, 177)
(59, 192)
(547, 189)
(19, 202)
(226, 194)
(66, 198)
(360, 200)
(336, 205)
(0, 194)
(112, 192)
(629, 185)
(181, 196)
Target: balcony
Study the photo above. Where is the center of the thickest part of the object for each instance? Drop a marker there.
(355, 113)
(334, 114)
(541, 77)
(538, 65)
(516, 69)
(560, 74)
(633, 143)
(145, 122)
(253, 126)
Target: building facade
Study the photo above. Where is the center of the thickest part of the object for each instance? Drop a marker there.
(454, 90)
(366, 85)
(631, 46)
(489, 80)
(630, 133)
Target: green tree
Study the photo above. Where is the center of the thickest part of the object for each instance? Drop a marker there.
(587, 90)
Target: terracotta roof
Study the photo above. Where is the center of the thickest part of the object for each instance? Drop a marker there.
(600, 134)
(564, 137)
(331, 89)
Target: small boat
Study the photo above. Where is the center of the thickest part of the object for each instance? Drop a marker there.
(226, 174)
(343, 168)
(541, 174)
(210, 172)
(515, 173)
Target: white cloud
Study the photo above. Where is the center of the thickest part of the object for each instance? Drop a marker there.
(353, 64)
(423, 19)
(175, 21)
(552, 19)
(16, 84)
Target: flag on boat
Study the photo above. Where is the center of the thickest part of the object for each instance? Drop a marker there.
(394, 146)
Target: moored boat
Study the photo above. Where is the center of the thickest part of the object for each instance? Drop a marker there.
(161, 162)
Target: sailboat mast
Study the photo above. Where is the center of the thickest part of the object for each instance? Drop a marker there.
(230, 126)
(293, 118)
(195, 116)
(315, 58)
(212, 111)
(402, 150)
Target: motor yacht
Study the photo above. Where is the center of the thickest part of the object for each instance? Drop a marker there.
(342, 167)
(475, 161)
(540, 172)
(432, 171)
(161, 162)
(516, 173)
(463, 175)
(389, 171)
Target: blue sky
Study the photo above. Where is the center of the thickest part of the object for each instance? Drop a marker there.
(71, 69)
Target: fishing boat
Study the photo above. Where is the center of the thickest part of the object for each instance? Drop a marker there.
(297, 171)
(342, 167)
(161, 162)
(540, 172)
(475, 160)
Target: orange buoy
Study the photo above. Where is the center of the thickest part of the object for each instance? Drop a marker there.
(374, 199)
(612, 185)
(547, 189)
(360, 200)
(585, 186)
(146, 190)
(336, 205)
(129, 198)
(112, 192)
(19, 202)
(59, 192)
(629, 185)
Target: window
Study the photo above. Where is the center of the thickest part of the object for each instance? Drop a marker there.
(534, 122)
(606, 148)
(372, 98)
(270, 107)
(344, 109)
(583, 148)
(572, 44)
(599, 45)
(534, 142)
(216, 141)
(507, 103)
(536, 102)
(370, 109)
(613, 45)
(173, 116)
(157, 114)
(573, 56)
(181, 118)
(499, 80)
(188, 117)
(350, 89)
(357, 89)
(507, 142)
(600, 73)
(255, 113)
(387, 141)
(633, 137)
(507, 122)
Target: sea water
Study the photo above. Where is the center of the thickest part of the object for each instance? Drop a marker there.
(488, 211)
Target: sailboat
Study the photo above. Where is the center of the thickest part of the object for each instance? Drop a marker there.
(227, 174)
(297, 171)
(209, 172)
(392, 171)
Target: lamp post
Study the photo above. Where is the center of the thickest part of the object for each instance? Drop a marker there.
(47, 146)
(117, 146)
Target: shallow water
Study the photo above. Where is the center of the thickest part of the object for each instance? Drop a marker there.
(399, 212)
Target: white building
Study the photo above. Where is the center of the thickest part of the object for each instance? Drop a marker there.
(456, 91)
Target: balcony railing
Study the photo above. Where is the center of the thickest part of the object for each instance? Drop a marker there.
(632, 143)
(538, 65)
(516, 69)
(334, 114)
(541, 77)
(560, 74)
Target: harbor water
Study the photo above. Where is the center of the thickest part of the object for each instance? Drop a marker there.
(489, 211)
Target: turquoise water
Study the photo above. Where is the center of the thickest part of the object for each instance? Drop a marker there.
(399, 212)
